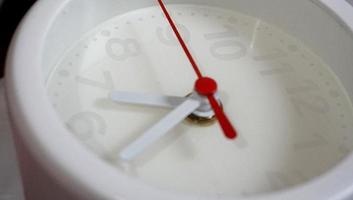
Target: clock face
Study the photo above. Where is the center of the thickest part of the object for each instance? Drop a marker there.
(293, 117)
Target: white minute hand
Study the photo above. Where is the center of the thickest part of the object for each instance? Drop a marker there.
(159, 129)
(147, 99)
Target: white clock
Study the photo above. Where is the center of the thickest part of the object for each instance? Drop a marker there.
(106, 104)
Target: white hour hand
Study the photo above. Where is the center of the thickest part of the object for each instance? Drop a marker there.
(159, 129)
(147, 99)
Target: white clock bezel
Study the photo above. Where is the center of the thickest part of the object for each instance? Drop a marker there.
(38, 128)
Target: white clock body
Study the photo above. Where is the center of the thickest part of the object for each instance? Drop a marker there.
(285, 69)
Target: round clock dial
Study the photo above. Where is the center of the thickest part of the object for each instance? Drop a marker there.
(293, 116)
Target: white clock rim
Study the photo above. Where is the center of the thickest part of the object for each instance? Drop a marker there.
(29, 108)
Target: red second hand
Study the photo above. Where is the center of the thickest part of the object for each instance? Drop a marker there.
(204, 86)
(181, 41)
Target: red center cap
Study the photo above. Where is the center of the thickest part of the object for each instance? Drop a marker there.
(206, 86)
